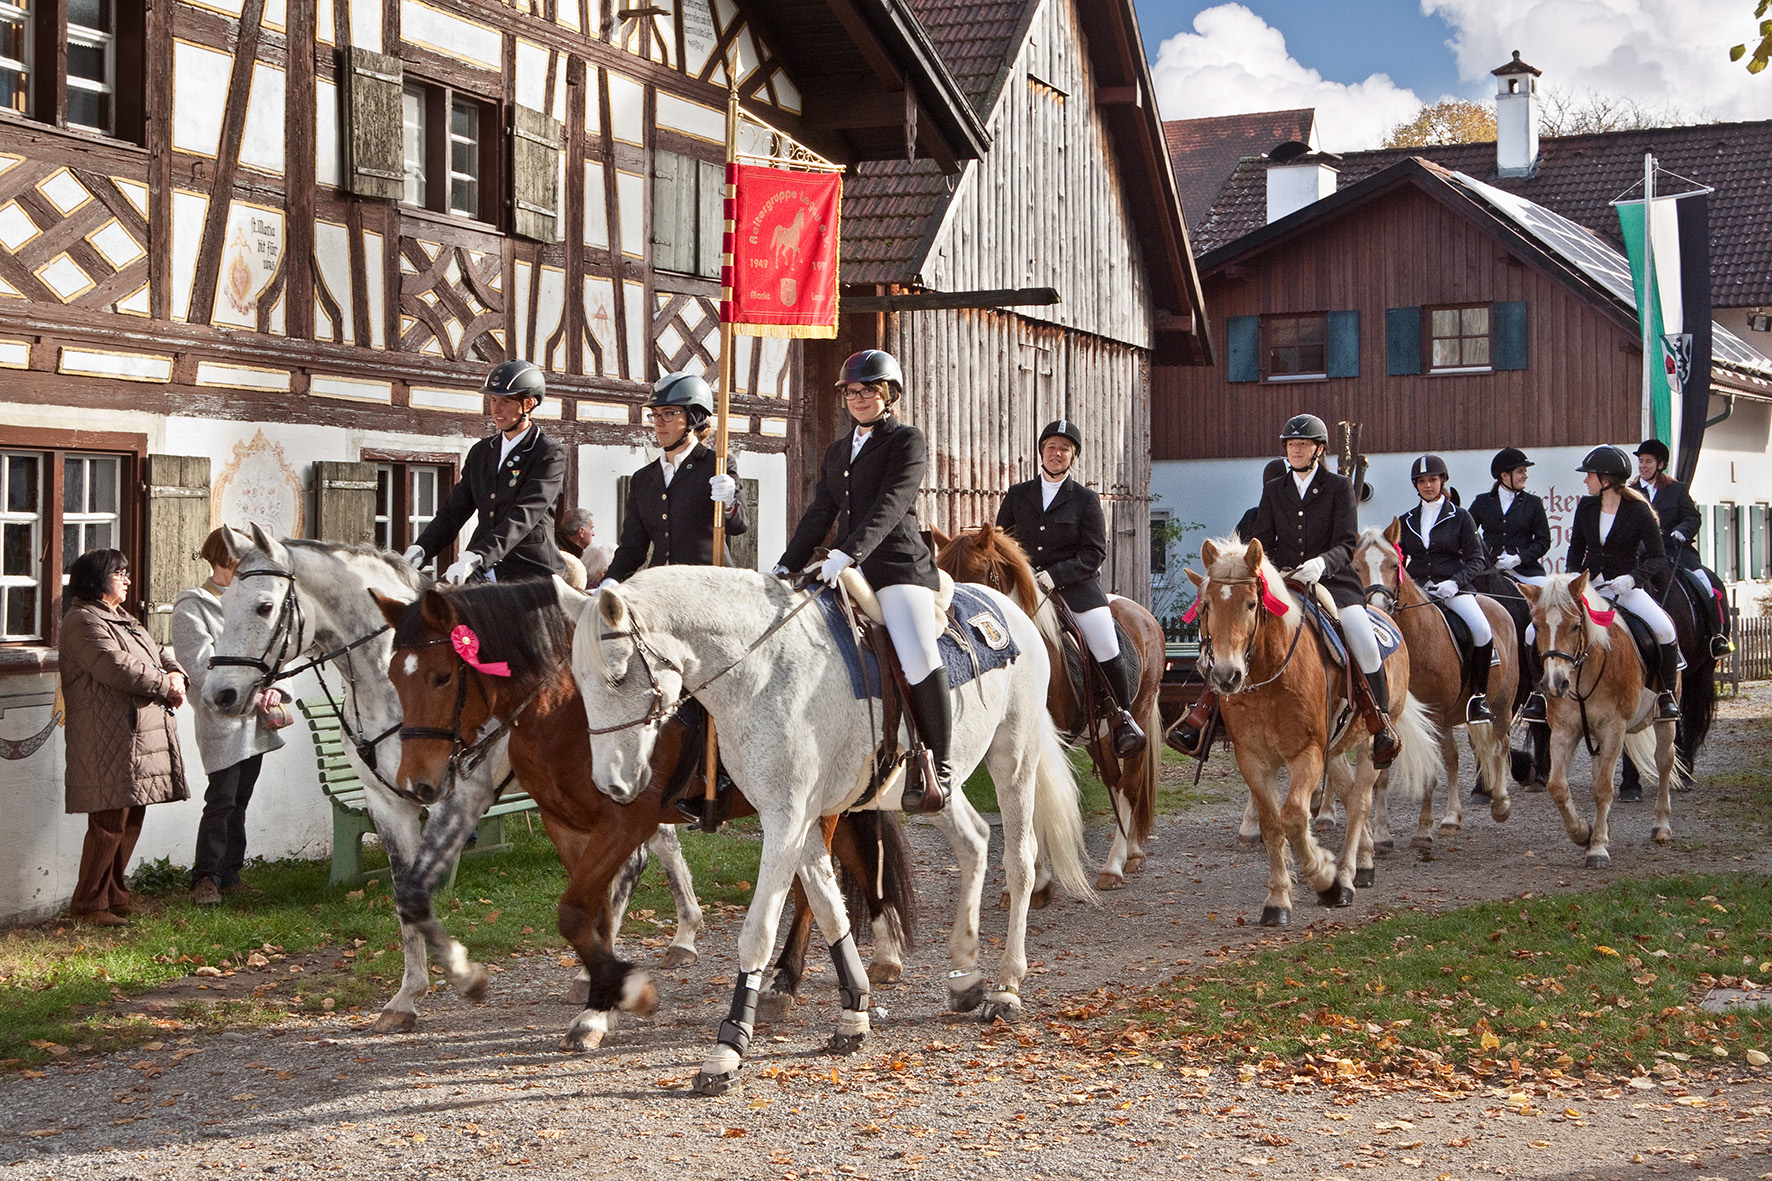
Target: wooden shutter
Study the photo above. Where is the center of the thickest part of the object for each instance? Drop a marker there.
(1402, 341)
(673, 212)
(375, 157)
(178, 521)
(1243, 334)
(535, 175)
(1344, 344)
(1507, 335)
(711, 212)
(344, 502)
(1756, 538)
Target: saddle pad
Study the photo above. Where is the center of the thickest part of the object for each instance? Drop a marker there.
(1389, 638)
(988, 647)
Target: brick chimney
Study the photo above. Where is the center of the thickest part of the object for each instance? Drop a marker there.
(1516, 118)
(1297, 176)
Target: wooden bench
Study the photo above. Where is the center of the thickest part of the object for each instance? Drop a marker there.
(350, 815)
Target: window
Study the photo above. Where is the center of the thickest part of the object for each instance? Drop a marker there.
(57, 505)
(1759, 556)
(1726, 552)
(78, 66)
(1159, 544)
(688, 214)
(1296, 346)
(407, 496)
(1459, 338)
(448, 151)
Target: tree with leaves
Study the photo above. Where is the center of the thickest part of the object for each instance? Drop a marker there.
(1762, 52)
(1449, 121)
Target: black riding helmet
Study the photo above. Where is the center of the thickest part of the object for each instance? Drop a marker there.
(1506, 460)
(1305, 426)
(871, 365)
(688, 391)
(1655, 448)
(1062, 428)
(516, 379)
(1428, 465)
(1605, 460)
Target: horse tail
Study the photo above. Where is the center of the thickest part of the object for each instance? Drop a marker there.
(1058, 816)
(1698, 705)
(1140, 787)
(882, 843)
(1417, 768)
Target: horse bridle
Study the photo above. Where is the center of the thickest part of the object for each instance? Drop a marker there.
(1249, 648)
(465, 756)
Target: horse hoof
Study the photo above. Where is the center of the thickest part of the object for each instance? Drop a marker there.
(1599, 861)
(579, 993)
(677, 957)
(1421, 842)
(1323, 824)
(1134, 862)
(579, 1041)
(967, 999)
(1449, 828)
(1248, 841)
(715, 1084)
(1004, 1006)
(1388, 845)
(1363, 878)
(772, 1006)
(1500, 810)
(884, 973)
(843, 1044)
(1274, 916)
(1479, 796)
(1662, 836)
(1109, 881)
(475, 983)
(1042, 897)
(1337, 895)
(1538, 785)
(394, 1021)
(638, 996)
(1629, 795)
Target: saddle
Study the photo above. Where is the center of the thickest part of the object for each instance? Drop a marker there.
(1088, 687)
(1648, 651)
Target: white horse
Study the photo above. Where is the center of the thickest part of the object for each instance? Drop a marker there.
(300, 600)
(771, 678)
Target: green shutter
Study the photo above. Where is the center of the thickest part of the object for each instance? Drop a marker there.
(1507, 335)
(1244, 354)
(1402, 341)
(1344, 344)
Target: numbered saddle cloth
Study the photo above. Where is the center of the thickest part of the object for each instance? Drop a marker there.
(977, 641)
(1389, 638)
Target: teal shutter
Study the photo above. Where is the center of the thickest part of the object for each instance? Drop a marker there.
(1344, 344)
(1507, 333)
(1244, 354)
(1402, 341)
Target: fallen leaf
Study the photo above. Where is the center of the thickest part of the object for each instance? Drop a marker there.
(732, 1133)
(1604, 950)
(1756, 1058)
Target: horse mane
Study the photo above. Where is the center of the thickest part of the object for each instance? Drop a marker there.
(1556, 595)
(995, 548)
(1233, 565)
(1374, 535)
(403, 570)
(520, 623)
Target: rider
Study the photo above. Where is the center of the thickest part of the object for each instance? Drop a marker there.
(1444, 554)
(1680, 522)
(1306, 521)
(511, 479)
(867, 487)
(1059, 522)
(1516, 533)
(1616, 540)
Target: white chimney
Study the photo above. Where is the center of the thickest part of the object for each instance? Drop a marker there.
(1516, 118)
(1296, 177)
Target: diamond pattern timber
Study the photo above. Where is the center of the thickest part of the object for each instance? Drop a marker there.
(452, 302)
(69, 236)
(685, 330)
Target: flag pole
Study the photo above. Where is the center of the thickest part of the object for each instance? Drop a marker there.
(723, 406)
(1645, 307)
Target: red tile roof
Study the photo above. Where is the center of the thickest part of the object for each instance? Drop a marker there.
(1204, 152)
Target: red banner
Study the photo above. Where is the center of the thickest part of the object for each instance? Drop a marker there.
(780, 276)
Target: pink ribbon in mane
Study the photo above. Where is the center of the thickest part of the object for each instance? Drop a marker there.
(1599, 616)
(467, 646)
(1268, 599)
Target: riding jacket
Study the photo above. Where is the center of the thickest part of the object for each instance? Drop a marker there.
(675, 524)
(1068, 540)
(1451, 549)
(871, 499)
(1632, 546)
(515, 502)
(1676, 511)
(1523, 530)
(1320, 525)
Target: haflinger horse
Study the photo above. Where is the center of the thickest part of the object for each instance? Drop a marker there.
(1284, 704)
(494, 658)
(1596, 693)
(990, 555)
(772, 679)
(300, 600)
(1437, 680)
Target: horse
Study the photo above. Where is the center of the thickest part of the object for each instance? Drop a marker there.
(298, 599)
(1280, 711)
(1437, 680)
(1698, 684)
(778, 689)
(990, 555)
(1606, 703)
(531, 697)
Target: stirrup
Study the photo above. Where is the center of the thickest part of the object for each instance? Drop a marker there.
(1476, 710)
(1130, 740)
(1532, 710)
(1721, 646)
(927, 784)
(1666, 708)
(1386, 746)
(1188, 735)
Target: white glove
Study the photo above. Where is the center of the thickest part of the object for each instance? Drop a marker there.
(415, 555)
(1444, 589)
(607, 583)
(723, 489)
(1508, 562)
(1678, 536)
(1311, 571)
(1043, 580)
(833, 566)
(1621, 584)
(463, 567)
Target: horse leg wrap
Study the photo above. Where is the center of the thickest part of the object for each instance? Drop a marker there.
(735, 1031)
(852, 978)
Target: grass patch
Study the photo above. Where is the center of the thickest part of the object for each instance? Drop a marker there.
(1175, 792)
(67, 986)
(1569, 982)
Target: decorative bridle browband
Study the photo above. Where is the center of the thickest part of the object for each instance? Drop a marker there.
(464, 756)
(1274, 605)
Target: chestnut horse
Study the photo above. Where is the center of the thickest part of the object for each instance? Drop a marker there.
(447, 703)
(1282, 704)
(1596, 692)
(989, 555)
(1436, 678)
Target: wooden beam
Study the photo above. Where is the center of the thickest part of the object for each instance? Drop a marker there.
(929, 301)
(1174, 322)
(829, 110)
(1120, 96)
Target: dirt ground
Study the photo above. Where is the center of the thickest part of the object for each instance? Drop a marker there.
(480, 1091)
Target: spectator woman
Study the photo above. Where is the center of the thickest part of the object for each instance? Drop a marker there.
(120, 688)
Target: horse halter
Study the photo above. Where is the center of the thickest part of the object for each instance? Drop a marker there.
(1576, 660)
(287, 629)
(1254, 632)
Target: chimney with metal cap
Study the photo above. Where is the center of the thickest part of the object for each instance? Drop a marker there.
(1516, 118)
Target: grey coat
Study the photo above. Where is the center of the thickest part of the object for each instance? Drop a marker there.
(221, 741)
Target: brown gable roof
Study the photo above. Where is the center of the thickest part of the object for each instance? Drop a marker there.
(1204, 152)
(1578, 176)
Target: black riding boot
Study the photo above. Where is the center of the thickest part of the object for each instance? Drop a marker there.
(1533, 710)
(1385, 743)
(1667, 709)
(933, 709)
(1476, 711)
(1189, 732)
(1130, 739)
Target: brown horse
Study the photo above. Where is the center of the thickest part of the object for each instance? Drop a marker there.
(1284, 704)
(1596, 692)
(447, 702)
(989, 555)
(1436, 678)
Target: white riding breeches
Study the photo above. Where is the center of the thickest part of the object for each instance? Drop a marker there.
(1533, 579)
(1471, 612)
(915, 626)
(1362, 642)
(1642, 604)
(1097, 626)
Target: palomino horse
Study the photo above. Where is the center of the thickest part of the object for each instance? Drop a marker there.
(777, 687)
(1280, 701)
(1437, 680)
(989, 555)
(1596, 693)
(311, 599)
(530, 695)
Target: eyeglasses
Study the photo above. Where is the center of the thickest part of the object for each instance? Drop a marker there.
(123, 574)
(860, 394)
(665, 416)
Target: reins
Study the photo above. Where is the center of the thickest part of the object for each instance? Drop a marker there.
(1576, 661)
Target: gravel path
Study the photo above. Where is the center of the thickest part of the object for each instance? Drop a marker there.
(479, 1091)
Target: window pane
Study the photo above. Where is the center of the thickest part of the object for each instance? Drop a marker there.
(14, 36)
(21, 483)
(1476, 350)
(90, 14)
(1445, 321)
(424, 494)
(1285, 332)
(21, 611)
(464, 158)
(464, 121)
(18, 536)
(70, 546)
(1476, 321)
(104, 485)
(412, 118)
(87, 61)
(1312, 329)
(1445, 353)
(100, 535)
(74, 485)
(1310, 359)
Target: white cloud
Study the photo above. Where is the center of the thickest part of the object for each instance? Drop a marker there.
(1235, 63)
(1658, 52)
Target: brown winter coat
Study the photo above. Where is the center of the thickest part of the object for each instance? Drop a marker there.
(122, 739)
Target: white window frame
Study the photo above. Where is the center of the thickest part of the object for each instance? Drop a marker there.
(33, 579)
(106, 44)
